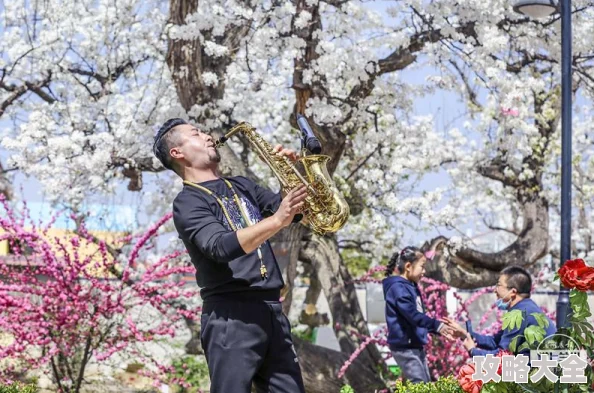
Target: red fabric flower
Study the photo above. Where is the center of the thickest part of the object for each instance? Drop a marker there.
(504, 352)
(465, 379)
(500, 354)
(576, 274)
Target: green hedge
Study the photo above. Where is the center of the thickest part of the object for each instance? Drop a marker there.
(18, 388)
(193, 369)
(443, 385)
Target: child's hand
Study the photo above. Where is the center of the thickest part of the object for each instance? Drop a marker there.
(457, 330)
(448, 333)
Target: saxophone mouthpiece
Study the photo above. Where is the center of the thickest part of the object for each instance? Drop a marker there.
(221, 141)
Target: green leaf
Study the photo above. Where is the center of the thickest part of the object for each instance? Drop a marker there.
(534, 334)
(501, 387)
(541, 319)
(583, 332)
(18, 388)
(524, 346)
(347, 389)
(588, 325)
(512, 320)
(578, 300)
(527, 387)
(577, 328)
(514, 343)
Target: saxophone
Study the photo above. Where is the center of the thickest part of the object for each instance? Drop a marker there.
(325, 208)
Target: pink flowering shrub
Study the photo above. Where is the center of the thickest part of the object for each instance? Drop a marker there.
(444, 357)
(60, 309)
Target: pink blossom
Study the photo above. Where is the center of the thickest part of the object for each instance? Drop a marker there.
(514, 112)
(55, 303)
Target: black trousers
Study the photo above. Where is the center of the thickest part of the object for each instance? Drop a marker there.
(247, 342)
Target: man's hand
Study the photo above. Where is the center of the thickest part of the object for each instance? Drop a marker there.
(289, 153)
(291, 204)
(469, 343)
(457, 330)
(251, 237)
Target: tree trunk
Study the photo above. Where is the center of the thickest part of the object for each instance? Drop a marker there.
(5, 184)
(287, 255)
(320, 367)
(193, 346)
(338, 287)
(310, 315)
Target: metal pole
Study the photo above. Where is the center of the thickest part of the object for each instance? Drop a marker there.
(566, 91)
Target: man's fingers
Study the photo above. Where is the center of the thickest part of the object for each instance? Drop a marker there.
(301, 194)
(295, 201)
(293, 192)
(448, 320)
(280, 150)
(298, 192)
(289, 153)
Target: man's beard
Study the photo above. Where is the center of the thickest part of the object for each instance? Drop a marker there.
(216, 157)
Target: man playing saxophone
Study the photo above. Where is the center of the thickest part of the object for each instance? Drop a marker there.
(225, 224)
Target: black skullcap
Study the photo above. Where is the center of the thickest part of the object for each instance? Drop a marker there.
(160, 148)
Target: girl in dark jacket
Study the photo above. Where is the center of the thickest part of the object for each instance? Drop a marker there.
(408, 324)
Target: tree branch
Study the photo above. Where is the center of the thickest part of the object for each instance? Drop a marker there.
(110, 77)
(83, 363)
(470, 268)
(471, 93)
(492, 227)
(495, 170)
(19, 91)
(401, 58)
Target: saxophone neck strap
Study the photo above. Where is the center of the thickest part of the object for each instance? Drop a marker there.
(246, 221)
(240, 207)
(208, 191)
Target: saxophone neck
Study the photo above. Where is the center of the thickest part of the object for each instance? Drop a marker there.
(239, 127)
